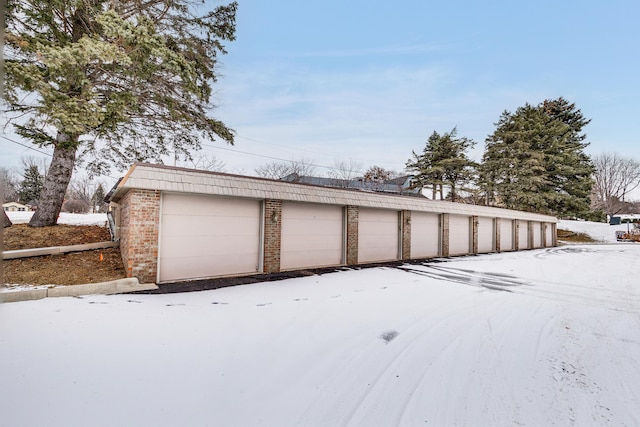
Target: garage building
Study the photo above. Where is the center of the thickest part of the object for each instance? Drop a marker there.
(178, 224)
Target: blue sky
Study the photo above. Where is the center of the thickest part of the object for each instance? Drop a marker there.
(371, 80)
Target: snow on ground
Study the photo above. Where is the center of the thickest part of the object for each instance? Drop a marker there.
(64, 218)
(600, 231)
(535, 338)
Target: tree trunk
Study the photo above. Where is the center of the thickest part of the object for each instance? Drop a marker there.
(6, 222)
(56, 182)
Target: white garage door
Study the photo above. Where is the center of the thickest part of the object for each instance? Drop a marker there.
(486, 235)
(523, 235)
(537, 234)
(206, 236)
(549, 234)
(378, 235)
(459, 235)
(312, 235)
(506, 235)
(425, 234)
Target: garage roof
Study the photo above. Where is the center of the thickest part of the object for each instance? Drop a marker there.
(147, 176)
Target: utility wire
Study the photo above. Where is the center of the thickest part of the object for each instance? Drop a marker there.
(26, 146)
(280, 159)
(45, 153)
(217, 148)
(298, 149)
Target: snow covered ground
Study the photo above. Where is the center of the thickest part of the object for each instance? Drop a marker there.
(536, 338)
(600, 231)
(64, 218)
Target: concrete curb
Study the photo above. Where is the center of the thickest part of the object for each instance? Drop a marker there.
(55, 250)
(104, 288)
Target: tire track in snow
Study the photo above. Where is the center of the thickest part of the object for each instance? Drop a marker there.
(346, 409)
(399, 383)
(554, 291)
(405, 416)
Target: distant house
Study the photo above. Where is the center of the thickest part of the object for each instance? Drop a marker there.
(15, 207)
(400, 185)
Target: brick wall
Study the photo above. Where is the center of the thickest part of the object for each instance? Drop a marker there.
(406, 234)
(140, 221)
(444, 226)
(352, 235)
(474, 234)
(272, 235)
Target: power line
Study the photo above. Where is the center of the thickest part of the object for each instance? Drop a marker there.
(26, 146)
(281, 159)
(278, 158)
(45, 153)
(297, 149)
(217, 148)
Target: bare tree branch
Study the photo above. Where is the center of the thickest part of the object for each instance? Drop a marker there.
(615, 177)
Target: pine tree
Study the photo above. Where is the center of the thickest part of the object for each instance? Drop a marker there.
(98, 199)
(534, 160)
(570, 170)
(31, 185)
(114, 82)
(443, 162)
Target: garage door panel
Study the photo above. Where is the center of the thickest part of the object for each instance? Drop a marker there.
(194, 267)
(201, 205)
(183, 246)
(378, 234)
(459, 235)
(549, 235)
(506, 235)
(323, 243)
(537, 234)
(523, 234)
(174, 225)
(425, 235)
(312, 235)
(486, 235)
(207, 236)
(320, 226)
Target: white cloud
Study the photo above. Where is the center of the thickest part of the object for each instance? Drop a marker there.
(377, 115)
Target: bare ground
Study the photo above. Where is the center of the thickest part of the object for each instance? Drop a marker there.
(570, 236)
(68, 269)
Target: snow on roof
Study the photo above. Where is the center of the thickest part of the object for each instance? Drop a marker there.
(147, 176)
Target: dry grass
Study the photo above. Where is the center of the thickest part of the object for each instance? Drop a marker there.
(570, 236)
(68, 269)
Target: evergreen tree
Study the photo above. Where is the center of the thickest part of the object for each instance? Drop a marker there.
(98, 200)
(31, 185)
(119, 81)
(569, 169)
(443, 162)
(534, 160)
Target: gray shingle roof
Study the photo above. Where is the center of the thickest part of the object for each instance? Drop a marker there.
(166, 178)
